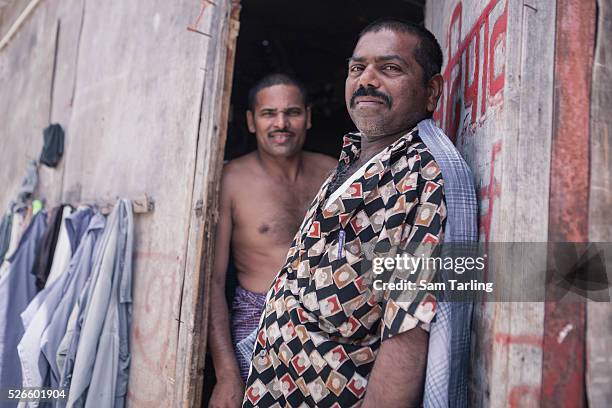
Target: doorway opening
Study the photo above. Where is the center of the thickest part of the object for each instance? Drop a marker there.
(311, 41)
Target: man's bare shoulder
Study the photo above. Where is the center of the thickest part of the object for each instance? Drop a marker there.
(238, 170)
(321, 163)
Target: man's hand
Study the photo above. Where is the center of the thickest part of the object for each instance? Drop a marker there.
(228, 393)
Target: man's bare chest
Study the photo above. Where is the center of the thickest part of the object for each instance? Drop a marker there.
(272, 213)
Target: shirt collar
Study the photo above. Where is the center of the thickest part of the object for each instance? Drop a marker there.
(351, 145)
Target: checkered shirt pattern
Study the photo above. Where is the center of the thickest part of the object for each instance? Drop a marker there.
(449, 339)
(324, 321)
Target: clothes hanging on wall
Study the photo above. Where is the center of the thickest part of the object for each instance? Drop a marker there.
(63, 250)
(80, 273)
(5, 233)
(100, 373)
(44, 257)
(17, 223)
(74, 229)
(74, 333)
(27, 187)
(36, 367)
(78, 217)
(53, 147)
(17, 288)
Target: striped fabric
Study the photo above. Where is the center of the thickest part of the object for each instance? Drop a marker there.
(246, 311)
(449, 338)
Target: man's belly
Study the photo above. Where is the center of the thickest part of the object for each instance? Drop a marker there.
(256, 269)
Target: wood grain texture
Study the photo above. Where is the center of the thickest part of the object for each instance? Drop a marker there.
(133, 131)
(10, 12)
(204, 203)
(563, 365)
(26, 77)
(524, 201)
(599, 315)
(497, 105)
(125, 81)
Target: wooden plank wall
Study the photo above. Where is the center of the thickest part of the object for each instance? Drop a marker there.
(599, 315)
(128, 83)
(521, 124)
(126, 80)
(26, 74)
(563, 365)
(9, 11)
(497, 106)
(200, 245)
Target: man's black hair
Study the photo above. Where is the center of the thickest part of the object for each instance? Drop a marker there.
(276, 79)
(428, 53)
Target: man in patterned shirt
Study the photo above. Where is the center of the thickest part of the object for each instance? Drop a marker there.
(328, 336)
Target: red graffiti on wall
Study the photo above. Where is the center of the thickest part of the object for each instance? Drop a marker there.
(507, 339)
(523, 395)
(483, 81)
(489, 192)
(153, 356)
(194, 26)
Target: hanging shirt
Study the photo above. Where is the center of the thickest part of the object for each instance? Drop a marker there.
(324, 321)
(63, 250)
(67, 349)
(56, 329)
(44, 257)
(38, 315)
(17, 288)
(17, 229)
(75, 226)
(53, 147)
(5, 234)
(100, 374)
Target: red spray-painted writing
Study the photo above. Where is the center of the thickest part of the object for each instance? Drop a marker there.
(473, 77)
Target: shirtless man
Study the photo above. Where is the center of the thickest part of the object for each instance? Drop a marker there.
(264, 197)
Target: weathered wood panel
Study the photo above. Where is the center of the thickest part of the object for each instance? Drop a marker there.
(26, 76)
(563, 371)
(133, 130)
(126, 82)
(524, 203)
(10, 10)
(497, 105)
(200, 246)
(599, 315)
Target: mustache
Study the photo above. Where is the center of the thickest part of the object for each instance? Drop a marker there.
(369, 91)
(280, 131)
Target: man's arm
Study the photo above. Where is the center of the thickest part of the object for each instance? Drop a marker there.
(229, 388)
(398, 375)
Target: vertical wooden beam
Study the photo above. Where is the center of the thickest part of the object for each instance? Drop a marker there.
(599, 314)
(219, 68)
(563, 367)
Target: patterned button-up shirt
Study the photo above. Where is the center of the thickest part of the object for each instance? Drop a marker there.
(324, 319)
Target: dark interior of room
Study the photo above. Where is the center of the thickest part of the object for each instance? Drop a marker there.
(312, 41)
